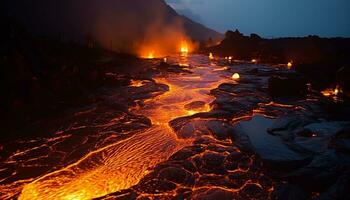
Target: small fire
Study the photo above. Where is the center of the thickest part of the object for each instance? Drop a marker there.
(331, 92)
(184, 47)
(290, 65)
(165, 59)
(336, 91)
(211, 56)
(254, 61)
(235, 76)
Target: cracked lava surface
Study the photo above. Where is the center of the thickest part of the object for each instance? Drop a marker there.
(173, 142)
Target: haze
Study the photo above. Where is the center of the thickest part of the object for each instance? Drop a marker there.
(271, 18)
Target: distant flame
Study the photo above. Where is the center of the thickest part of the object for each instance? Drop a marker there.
(290, 65)
(236, 76)
(211, 56)
(336, 91)
(184, 47)
(254, 61)
(150, 55)
(331, 92)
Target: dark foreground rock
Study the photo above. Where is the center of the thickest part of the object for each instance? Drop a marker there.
(253, 137)
(285, 86)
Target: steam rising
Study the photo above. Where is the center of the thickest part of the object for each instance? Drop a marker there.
(123, 26)
(155, 33)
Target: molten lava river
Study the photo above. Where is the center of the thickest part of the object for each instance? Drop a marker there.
(121, 164)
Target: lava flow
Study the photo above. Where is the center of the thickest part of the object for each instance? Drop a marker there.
(122, 164)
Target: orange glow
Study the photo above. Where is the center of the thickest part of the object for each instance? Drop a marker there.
(165, 59)
(254, 61)
(331, 92)
(122, 164)
(137, 83)
(150, 55)
(184, 47)
(206, 108)
(211, 56)
(336, 91)
(236, 76)
(290, 65)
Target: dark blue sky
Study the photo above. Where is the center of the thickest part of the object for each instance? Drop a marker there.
(271, 18)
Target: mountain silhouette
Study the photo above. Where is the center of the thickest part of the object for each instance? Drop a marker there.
(113, 24)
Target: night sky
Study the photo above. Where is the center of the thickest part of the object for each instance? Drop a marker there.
(271, 18)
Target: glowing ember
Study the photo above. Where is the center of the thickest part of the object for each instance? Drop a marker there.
(290, 65)
(254, 61)
(136, 83)
(211, 56)
(235, 76)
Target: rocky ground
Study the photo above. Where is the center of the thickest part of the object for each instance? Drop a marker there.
(254, 143)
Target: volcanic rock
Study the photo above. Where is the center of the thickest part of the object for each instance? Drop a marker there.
(252, 136)
(155, 186)
(289, 192)
(187, 152)
(253, 191)
(287, 86)
(320, 135)
(213, 159)
(340, 190)
(213, 194)
(210, 163)
(196, 105)
(173, 174)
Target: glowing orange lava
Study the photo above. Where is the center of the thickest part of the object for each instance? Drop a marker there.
(137, 83)
(123, 164)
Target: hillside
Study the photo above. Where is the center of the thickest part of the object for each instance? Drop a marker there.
(114, 24)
